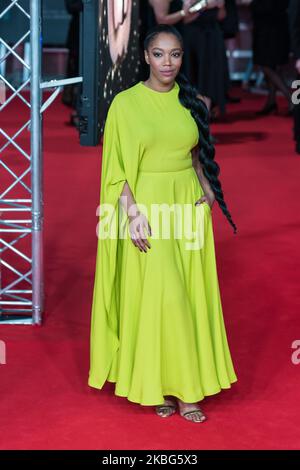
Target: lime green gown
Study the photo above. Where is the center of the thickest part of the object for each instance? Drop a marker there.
(157, 325)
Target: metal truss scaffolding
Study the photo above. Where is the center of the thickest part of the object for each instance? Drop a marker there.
(21, 176)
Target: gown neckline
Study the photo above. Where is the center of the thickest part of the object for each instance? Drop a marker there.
(175, 88)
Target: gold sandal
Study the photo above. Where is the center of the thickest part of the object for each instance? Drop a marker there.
(192, 413)
(165, 410)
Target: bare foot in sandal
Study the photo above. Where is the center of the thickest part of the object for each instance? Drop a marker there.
(168, 408)
(191, 411)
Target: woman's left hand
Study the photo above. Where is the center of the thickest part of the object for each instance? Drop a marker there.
(210, 199)
(189, 17)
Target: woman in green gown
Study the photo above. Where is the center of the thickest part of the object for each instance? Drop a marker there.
(157, 327)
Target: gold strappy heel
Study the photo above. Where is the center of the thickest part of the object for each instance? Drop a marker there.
(167, 409)
(191, 414)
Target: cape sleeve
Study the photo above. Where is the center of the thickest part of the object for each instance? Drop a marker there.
(113, 174)
(120, 157)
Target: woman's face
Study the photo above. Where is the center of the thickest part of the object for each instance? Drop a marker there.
(164, 57)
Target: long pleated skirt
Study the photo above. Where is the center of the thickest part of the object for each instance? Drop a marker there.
(170, 320)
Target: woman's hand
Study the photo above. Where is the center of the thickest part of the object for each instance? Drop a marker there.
(186, 5)
(138, 224)
(189, 17)
(209, 198)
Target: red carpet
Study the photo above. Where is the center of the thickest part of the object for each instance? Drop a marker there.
(45, 400)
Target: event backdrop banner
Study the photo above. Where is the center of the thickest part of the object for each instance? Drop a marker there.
(110, 59)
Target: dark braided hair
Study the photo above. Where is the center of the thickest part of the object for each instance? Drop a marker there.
(190, 98)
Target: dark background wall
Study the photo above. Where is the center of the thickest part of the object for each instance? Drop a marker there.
(55, 22)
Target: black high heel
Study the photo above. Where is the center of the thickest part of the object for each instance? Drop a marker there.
(268, 109)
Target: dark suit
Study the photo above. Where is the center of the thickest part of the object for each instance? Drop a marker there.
(294, 16)
(271, 42)
(294, 11)
(230, 25)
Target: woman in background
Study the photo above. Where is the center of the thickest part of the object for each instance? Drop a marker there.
(174, 12)
(205, 60)
(271, 46)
